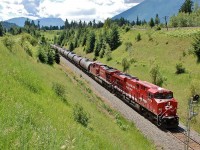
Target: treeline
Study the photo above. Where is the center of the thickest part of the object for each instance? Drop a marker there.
(32, 35)
(101, 41)
(188, 16)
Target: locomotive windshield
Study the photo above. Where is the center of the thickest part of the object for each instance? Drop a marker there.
(163, 96)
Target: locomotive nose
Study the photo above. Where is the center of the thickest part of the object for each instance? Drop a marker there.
(170, 108)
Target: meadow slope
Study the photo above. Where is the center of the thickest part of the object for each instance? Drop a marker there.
(33, 116)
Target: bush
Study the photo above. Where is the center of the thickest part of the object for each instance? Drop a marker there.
(158, 28)
(8, 42)
(196, 46)
(33, 41)
(60, 91)
(80, 115)
(149, 34)
(194, 88)
(28, 50)
(42, 55)
(128, 45)
(125, 65)
(138, 37)
(179, 68)
(120, 123)
(127, 28)
(156, 76)
(132, 60)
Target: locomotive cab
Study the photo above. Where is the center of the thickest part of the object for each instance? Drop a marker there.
(166, 108)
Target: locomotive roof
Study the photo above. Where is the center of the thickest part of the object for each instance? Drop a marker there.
(152, 87)
(148, 84)
(109, 69)
(123, 75)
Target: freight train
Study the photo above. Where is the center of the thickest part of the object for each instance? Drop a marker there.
(152, 101)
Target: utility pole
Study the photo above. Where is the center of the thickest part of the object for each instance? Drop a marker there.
(166, 22)
(192, 112)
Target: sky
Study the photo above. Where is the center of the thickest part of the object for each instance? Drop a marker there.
(71, 9)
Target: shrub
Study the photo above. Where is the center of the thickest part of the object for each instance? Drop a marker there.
(132, 60)
(127, 28)
(80, 115)
(158, 28)
(42, 55)
(194, 88)
(8, 42)
(28, 50)
(138, 37)
(156, 76)
(128, 45)
(196, 46)
(120, 123)
(33, 41)
(125, 65)
(179, 68)
(150, 36)
(60, 91)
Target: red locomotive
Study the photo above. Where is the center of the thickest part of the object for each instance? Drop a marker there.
(151, 100)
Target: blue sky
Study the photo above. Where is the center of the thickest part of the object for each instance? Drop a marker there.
(70, 9)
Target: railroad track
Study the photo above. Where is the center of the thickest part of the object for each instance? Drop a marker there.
(181, 135)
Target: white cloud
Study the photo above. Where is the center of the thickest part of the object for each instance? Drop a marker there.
(70, 9)
(10, 9)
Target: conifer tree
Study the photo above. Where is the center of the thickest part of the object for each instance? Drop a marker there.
(57, 57)
(71, 46)
(187, 6)
(125, 65)
(1, 29)
(50, 57)
(196, 46)
(157, 20)
(114, 40)
(90, 44)
(137, 21)
(151, 23)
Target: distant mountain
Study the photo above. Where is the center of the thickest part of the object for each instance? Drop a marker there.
(43, 21)
(8, 25)
(18, 21)
(149, 8)
(51, 22)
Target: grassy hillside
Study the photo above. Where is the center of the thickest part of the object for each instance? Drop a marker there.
(165, 48)
(37, 103)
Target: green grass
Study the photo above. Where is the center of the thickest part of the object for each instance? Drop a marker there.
(167, 48)
(36, 115)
